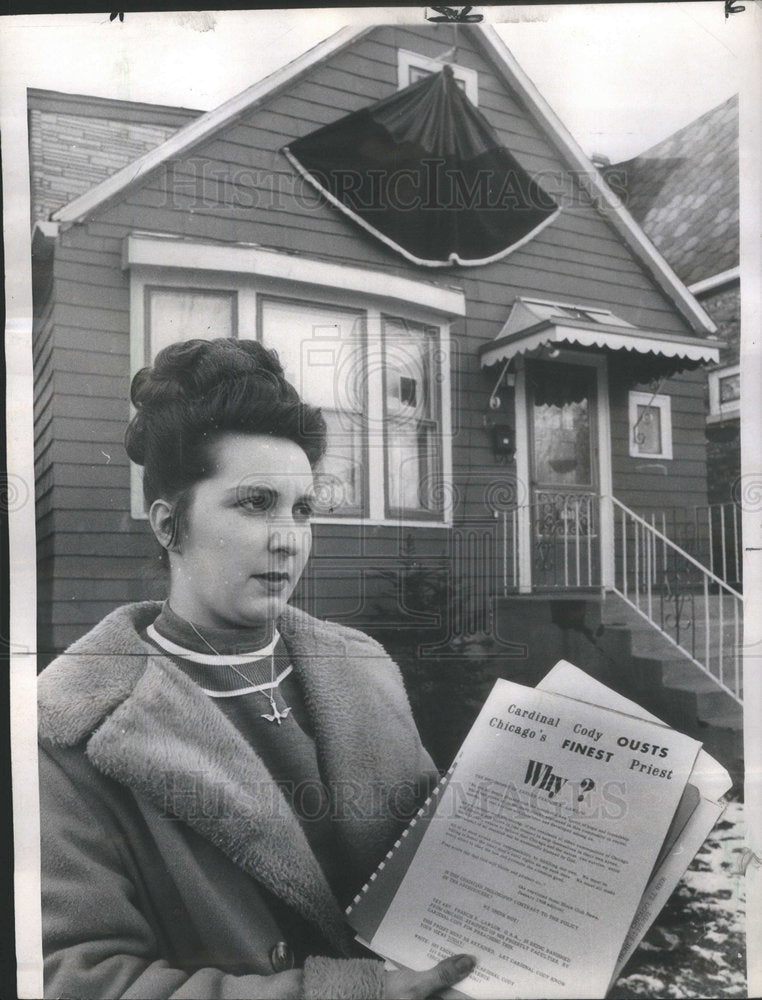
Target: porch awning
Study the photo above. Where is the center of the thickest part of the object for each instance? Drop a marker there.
(534, 324)
(423, 171)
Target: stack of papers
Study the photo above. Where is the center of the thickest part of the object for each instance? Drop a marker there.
(549, 847)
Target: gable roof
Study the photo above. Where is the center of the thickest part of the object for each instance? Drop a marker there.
(684, 193)
(207, 125)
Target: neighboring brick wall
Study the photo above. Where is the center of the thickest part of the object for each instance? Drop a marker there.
(723, 447)
(723, 452)
(724, 307)
(72, 153)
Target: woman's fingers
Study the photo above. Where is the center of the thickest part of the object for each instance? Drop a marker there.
(407, 985)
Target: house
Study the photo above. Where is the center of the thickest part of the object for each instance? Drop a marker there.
(508, 404)
(684, 193)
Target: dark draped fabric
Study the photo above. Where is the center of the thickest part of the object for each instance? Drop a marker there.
(425, 172)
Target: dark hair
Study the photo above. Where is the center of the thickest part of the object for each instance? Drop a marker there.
(198, 390)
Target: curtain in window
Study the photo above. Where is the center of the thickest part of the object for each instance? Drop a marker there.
(183, 314)
(411, 412)
(323, 353)
(424, 172)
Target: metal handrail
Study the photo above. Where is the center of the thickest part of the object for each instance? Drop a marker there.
(667, 602)
(685, 555)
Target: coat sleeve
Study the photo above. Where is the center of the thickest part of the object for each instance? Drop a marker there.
(97, 942)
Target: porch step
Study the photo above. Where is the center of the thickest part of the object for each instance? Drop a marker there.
(665, 681)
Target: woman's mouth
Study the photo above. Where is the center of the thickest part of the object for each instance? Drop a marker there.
(272, 581)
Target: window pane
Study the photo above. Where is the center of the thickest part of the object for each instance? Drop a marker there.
(322, 352)
(411, 407)
(180, 314)
(648, 430)
(730, 388)
(561, 424)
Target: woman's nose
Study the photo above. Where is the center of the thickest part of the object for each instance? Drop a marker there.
(287, 536)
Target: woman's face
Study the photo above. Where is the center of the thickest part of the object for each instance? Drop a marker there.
(247, 536)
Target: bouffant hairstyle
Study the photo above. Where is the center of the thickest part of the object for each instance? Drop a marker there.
(197, 390)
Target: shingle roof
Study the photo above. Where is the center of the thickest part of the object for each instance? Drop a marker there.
(684, 193)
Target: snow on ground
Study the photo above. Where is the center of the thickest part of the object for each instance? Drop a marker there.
(696, 947)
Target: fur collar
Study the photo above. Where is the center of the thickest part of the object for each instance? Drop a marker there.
(149, 727)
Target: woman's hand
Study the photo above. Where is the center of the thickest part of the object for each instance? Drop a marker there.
(408, 985)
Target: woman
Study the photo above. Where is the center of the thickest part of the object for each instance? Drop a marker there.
(221, 773)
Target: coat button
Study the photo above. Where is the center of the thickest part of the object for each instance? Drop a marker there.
(281, 957)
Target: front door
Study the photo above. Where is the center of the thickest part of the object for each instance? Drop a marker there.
(564, 483)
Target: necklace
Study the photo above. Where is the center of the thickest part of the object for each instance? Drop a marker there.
(265, 689)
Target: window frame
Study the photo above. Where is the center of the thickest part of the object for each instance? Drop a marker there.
(718, 410)
(403, 513)
(168, 262)
(655, 401)
(407, 60)
(262, 299)
(148, 289)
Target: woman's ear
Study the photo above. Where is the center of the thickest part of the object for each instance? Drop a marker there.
(162, 519)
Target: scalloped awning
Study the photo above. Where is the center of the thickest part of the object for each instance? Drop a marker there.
(423, 171)
(534, 324)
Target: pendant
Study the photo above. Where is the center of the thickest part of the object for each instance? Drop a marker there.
(276, 716)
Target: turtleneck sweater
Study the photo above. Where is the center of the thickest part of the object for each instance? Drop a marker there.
(231, 666)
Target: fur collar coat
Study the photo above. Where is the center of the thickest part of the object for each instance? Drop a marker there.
(172, 865)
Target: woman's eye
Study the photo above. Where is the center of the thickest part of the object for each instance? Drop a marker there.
(259, 501)
(303, 510)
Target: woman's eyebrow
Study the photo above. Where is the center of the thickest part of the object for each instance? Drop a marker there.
(242, 489)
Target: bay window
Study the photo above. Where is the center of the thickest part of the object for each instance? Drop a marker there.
(370, 350)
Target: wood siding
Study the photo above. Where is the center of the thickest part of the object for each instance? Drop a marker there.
(239, 187)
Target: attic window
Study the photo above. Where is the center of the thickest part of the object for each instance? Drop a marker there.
(411, 67)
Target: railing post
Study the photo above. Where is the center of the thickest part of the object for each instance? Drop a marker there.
(707, 625)
(720, 651)
(624, 554)
(637, 562)
(515, 549)
(679, 597)
(737, 648)
(565, 527)
(576, 538)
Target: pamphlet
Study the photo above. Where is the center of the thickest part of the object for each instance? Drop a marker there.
(545, 847)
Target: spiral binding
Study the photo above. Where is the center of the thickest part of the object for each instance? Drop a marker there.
(382, 864)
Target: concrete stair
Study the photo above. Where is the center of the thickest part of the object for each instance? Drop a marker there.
(651, 670)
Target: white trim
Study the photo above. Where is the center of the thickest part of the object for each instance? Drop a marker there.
(716, 408)
(445, 431)
(407, 60)
(609, 205)
(453, 258)
(605, 474)
(382, 522)
(721, 278)
(155, 250)
(642, 343)
(656, 401)
(218, 659)
(524, 516)
(48, 230)
(201, 128)
(142, 255)
(376, 482)
(137, 353)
